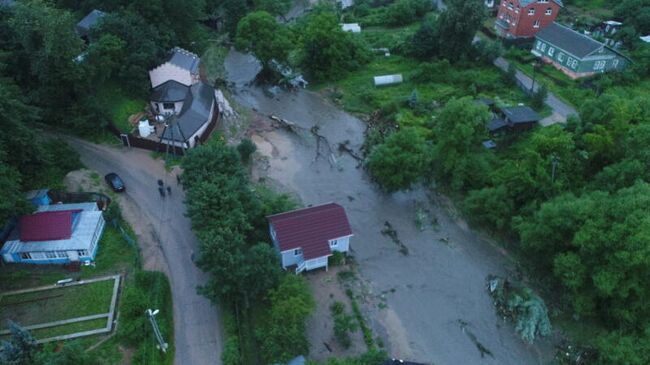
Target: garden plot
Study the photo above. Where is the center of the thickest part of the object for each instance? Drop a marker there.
(53, 313)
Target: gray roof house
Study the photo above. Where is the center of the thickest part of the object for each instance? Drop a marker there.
(186, 104)
(86, 24)
(181, 65)
(516, 118)
(576, 54)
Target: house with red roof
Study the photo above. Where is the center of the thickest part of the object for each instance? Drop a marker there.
(306, 238)
(524, 18)
(56, 234)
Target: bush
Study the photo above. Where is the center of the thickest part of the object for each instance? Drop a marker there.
(344, 324)
(246, 148)
(337, 258)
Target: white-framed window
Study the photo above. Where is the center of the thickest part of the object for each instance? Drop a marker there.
(500, 16)
(25, 256)
(569, 60)
(297, 252)
(536, 24)
(62, 254)
(551, 51)
(600, 65)
(543, 48)
(531, 11)
(549, 11)
(560, 57)
(50, 254)
(542, 1)
(82, 252)
(334, 243)
(615, 63)
(574, 64)
(510, 5)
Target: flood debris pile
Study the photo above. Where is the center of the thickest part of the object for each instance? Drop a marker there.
(391, 233)
(519, 304)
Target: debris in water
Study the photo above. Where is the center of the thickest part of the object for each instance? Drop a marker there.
(481, 348)
(392, 234)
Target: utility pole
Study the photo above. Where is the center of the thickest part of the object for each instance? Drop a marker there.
(162, 345)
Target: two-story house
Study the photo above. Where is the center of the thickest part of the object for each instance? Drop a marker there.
(524, 18)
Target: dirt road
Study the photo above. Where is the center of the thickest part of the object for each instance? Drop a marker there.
(196, 325)
(438, 310)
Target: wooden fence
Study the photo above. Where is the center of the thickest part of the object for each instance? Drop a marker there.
(133, 140)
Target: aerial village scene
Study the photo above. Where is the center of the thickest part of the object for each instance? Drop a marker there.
(325, 182)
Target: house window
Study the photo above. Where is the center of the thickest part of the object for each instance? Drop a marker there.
(542, 1)
(334, 243)
(599, 65)
(551, 51)
(536, 24)
(615, 63)
(560, 57)
(82, 252)
(25, 256)
(510, 5)
(168, 106)
(297, 252)
(531, 11)
(62, 254)
(543, 48)
(574, 64)
(569, 60)
(549, 11)
(50, 254)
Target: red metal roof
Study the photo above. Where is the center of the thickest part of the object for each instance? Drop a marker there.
(46, 226)
(311, 229)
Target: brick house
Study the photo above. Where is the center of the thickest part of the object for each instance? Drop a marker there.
(524, 18)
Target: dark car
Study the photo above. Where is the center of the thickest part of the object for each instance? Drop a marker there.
(115, 182)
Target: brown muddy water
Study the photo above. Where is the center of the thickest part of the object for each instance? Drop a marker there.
(424, 291)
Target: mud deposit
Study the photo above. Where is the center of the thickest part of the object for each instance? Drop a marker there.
(414, 301)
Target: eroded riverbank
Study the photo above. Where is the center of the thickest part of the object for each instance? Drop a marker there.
(437, 309)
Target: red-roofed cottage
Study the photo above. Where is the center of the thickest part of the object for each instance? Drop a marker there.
(56, 234)
(305, 238)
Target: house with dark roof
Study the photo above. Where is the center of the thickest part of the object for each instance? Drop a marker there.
(305, 238)
(576, 54)
(85, 26)
(186, 104)
(181, 65)
(56, 234)
(515, 118)
(524, 18)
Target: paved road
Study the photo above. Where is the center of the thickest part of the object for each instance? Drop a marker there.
(561, 110)
(196, 323)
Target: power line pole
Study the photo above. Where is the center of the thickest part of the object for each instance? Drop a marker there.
(162, 345)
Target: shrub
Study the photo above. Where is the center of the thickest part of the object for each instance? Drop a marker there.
(337, 259)
(344, 324)
(246, 148)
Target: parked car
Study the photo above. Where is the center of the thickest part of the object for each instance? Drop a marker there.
(115, 182)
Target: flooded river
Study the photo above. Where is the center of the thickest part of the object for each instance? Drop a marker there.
(432, 282)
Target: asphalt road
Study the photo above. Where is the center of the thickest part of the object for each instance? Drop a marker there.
(198, 338)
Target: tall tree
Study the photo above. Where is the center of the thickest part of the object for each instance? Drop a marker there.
(260, 34)
(327, 51)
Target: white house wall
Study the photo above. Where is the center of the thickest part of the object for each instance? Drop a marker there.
(289, 258)
(168, 71)
(316, 263)
(343, 244)
(199, 133)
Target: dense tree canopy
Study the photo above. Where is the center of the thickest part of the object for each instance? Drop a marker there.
(327, 51)
(260, 34)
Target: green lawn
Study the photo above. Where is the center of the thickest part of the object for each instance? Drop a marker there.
(121, 105)
(57, 304)
(94, 324)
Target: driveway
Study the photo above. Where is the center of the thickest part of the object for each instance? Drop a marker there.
(196, 323)
(438, 310)
(561, 110)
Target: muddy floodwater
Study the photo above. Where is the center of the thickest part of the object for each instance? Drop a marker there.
(429, 277)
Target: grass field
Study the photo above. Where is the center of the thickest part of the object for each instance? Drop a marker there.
(121, 106)
(57, 304)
